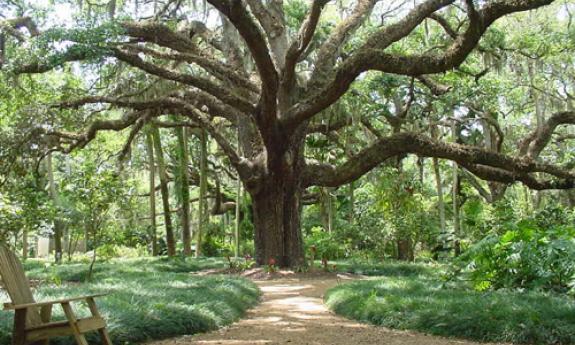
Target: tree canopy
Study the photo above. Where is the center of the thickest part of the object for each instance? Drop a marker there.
(293, 98)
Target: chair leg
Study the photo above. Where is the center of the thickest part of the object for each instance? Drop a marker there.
(105, 336)
(19, 333)
(80, 339)
(102, 331)
(45, 316)
(46, 313)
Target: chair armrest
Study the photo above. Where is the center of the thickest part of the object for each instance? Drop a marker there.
(10, 306)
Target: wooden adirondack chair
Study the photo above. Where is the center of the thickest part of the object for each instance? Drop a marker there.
(32, 320)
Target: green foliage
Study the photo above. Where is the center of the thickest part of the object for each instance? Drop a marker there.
(109, 251)
(296, 11)
(534, 253)
(422, 303)
(57, 45)
(25, 207)
(214, 242)
(325, 245)
(148, 298)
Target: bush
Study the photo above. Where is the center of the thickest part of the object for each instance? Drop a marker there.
(537, 253)
(326, 245)
(106, 252)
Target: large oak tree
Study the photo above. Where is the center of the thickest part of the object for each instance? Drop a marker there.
(248, 73)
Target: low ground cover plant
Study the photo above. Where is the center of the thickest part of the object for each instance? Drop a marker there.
(151, 298)
(418, 299)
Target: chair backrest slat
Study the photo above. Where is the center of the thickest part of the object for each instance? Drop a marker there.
(16, 283)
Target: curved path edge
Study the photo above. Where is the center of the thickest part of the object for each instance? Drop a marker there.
(292, 312)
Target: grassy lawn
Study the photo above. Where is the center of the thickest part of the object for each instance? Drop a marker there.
(414, 298)
(151, 298)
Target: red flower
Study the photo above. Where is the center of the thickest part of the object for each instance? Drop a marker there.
(271, 261)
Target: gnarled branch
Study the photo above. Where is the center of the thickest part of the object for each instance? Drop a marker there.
(374, 57)
(302, 41)
(496, 166)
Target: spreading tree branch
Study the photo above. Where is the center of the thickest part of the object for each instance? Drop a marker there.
(201, 83)
(535, 142)
(485, 164)
(374, 57)
(302, 41)
(240, 17)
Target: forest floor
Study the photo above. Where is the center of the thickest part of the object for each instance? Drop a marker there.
(292, 312)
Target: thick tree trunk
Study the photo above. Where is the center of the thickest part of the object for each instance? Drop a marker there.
(170, 241)
(152, 163)
(277, 224)
(276, 201)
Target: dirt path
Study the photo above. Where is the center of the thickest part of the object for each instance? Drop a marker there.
(292, 312)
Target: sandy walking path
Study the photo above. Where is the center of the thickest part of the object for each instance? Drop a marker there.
(292, 312)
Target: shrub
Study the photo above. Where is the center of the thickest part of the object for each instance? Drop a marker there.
(529, 255)
(326, 244)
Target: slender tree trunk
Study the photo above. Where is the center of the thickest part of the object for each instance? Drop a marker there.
(170, 241)
(202, 203)
(570, 198)
(440, 203)
(455, 197)
(540, 107)
(538, 200)
(24, 244)
(326, 209)
(58, 226)
(94, 255)
(152, 164)
(237, 220)
(404, 241)
(351, 192)
(185, 189)
(404, 249)
(456, 215)
(329, 210)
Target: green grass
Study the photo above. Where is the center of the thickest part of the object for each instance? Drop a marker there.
(387, 268)
(149, 298)
(415, 299)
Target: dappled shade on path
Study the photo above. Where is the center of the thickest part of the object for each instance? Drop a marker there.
(292, 312)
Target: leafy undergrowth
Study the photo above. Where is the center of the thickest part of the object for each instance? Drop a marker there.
(405, 299)
(148, 298)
